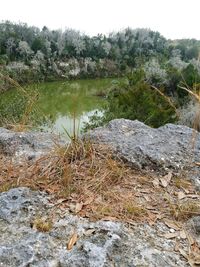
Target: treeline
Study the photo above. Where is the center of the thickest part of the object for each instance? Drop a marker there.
(29, 54)
(156, 68)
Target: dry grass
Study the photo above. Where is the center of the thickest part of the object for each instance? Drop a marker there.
(195, 94)
(42, 225)
(186, 209)
(167, 99)
(89, 180)
(182, 183)
(30, 106)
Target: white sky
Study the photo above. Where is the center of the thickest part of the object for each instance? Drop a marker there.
(172, 18)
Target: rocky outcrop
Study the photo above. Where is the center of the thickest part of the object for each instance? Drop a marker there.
(102, 243)
(170, 147)
(99, 244)
(27, 144)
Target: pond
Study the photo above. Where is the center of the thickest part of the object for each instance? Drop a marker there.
(68, 103)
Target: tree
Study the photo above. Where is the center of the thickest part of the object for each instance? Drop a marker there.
(154, 73)
(136, 99)
(25, 50)
(11, 48)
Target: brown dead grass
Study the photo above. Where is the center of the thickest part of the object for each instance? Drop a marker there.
(92, 182)
(42, 225)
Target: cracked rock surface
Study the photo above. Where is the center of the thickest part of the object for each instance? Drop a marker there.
(170, 147)
(28, 144)
(99, 244)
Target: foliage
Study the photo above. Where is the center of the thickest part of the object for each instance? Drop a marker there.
(54, 54)
(136, 99)
(19, 109)
(28, 54)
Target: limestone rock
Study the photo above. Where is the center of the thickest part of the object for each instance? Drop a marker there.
(28, 144)
(170, 147)
(109, 244)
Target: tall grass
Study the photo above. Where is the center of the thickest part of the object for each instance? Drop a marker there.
(22, 112)
(191, 113)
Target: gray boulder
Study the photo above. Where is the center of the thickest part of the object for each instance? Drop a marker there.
(99, 244)
(27, 144)
(170, 147)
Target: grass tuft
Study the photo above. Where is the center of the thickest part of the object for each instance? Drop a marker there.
(42, 225)
(182, 183)
(185, 210)
(133, 209)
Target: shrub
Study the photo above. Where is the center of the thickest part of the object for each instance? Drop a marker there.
(136, 99)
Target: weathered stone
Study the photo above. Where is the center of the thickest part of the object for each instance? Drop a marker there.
(170, 147)
(28, 144)
(196, 224)
(192, 226)
(110, 244)
(19, 203)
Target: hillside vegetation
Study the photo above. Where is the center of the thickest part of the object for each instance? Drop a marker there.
(155, 68)
(30, 54)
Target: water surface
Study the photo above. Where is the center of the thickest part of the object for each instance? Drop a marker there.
(68, 103)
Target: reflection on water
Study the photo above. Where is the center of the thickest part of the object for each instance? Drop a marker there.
(61, 102)
(64, 124)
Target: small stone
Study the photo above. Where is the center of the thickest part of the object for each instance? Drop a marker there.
(196, 223)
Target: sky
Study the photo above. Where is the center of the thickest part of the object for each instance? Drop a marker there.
(174, 19)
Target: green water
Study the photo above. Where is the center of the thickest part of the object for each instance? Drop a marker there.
(62, 101)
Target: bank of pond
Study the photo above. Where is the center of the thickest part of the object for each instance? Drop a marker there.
(58, 107)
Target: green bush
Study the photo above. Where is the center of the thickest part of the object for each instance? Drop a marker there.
(136, 99)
